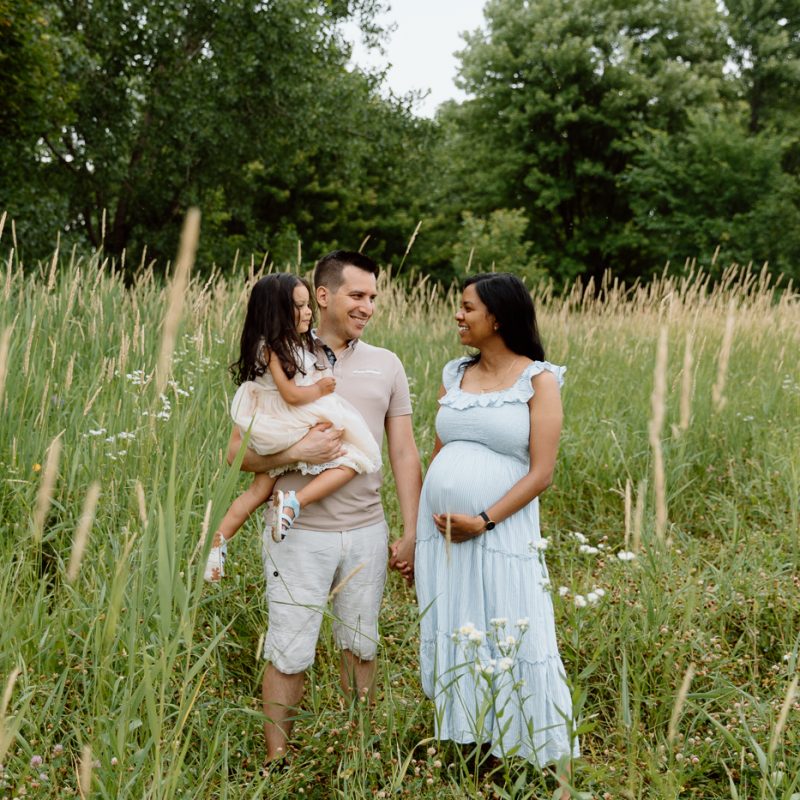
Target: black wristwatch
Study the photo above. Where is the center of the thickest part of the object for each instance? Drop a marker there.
(489, 524)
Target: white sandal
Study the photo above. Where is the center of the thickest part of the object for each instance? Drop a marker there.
(215, 566)
(277, 520)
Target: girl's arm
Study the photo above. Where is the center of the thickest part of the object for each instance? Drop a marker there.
(293, 394)
(546, 420)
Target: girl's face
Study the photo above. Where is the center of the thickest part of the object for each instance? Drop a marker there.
(302, 308)
(475, 323)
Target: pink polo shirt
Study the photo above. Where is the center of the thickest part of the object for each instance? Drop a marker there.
(374, 381)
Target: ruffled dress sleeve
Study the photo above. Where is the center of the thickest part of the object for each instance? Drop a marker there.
(452, 372)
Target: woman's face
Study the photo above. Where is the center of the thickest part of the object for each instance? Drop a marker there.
(302, 308)
(475, 323)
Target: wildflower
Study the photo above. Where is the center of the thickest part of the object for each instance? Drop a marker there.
(539, 544)
(431, 751)
(467, 628)
(563, 591)
(599, 592)
(510, 641)
(505, 664)
(523, 623)
(114, 761)
(58, 749)
(579, 536)
(580, 601)
(626, 555)
(476, 636)
(498, 622)
(37, 467)
(36, 761)
(588, 549)
(592, 597)
(97, 432)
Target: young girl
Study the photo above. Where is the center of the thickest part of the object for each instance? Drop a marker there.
(284, 391)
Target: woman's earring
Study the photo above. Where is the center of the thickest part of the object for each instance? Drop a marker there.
(496, 326)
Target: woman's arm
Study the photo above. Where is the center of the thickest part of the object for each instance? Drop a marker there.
(546, 420)
(293, 394)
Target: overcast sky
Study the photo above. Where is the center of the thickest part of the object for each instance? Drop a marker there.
(420, 50)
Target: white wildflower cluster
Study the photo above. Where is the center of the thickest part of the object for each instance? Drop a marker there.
(500, 641)
(789, 384)
(166, 408)
(138, 377)
(581, 601)
(588, 549)
(469, 632)
(626, 555)
(538, 545)
(579, 537)
(94, 432)
(178, 391)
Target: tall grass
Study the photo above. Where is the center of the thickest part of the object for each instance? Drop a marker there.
(124, 675)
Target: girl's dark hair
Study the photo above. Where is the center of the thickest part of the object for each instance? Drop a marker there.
(269, 327)
(507, 299)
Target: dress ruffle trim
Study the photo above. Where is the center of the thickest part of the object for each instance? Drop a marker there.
(520, 392)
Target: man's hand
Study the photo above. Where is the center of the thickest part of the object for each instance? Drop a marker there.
(463, 527)
(321, 444)
(402, 557)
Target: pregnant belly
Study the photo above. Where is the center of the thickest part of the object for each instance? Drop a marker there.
(466, 477)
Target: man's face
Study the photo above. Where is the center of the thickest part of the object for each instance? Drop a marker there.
(346, 312)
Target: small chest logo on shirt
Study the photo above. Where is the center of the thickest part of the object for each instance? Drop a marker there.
(366, 372)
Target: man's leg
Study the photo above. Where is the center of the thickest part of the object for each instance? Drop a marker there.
(281, 695)
(356, 605)
(357, 676)
(298, 573)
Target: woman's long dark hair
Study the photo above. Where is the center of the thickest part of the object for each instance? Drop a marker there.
(507, 299)
(269, 328)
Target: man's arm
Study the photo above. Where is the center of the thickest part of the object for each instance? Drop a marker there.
(321, 444)
(407, 469)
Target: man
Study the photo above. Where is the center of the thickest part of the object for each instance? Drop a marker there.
(340, 542)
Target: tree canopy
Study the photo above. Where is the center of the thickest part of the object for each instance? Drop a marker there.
(598, 134)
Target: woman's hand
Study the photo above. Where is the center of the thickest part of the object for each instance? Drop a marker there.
(463, 527)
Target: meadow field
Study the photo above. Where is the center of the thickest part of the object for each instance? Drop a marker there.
(676, 493)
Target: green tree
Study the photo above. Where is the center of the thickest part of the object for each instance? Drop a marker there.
(248, 109)
(717, 185)
(497, 243)
(562, 89)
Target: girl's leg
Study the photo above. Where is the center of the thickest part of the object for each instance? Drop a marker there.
(244, 505)
(321, 486)
(241, 508)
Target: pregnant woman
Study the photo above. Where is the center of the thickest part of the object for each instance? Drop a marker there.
(489, 658)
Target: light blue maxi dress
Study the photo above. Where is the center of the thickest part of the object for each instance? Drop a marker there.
(488, 656)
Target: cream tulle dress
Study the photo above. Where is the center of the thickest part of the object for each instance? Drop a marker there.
(274, 425)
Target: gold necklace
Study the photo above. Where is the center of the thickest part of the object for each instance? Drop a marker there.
(502, 380)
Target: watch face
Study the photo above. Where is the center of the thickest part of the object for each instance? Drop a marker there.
(489, 525)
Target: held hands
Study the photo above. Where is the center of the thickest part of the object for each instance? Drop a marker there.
(401, 557)
(463, 527)
(325, 386)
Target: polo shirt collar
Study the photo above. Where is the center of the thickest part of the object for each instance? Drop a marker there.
(351, 346)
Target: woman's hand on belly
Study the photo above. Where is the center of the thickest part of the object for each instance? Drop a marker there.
(462, 527)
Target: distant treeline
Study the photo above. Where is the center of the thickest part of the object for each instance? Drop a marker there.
(599, 134)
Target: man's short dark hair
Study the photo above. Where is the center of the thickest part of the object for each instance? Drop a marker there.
(328, 270)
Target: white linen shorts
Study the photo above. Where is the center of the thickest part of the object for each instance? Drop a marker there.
(307, 570)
